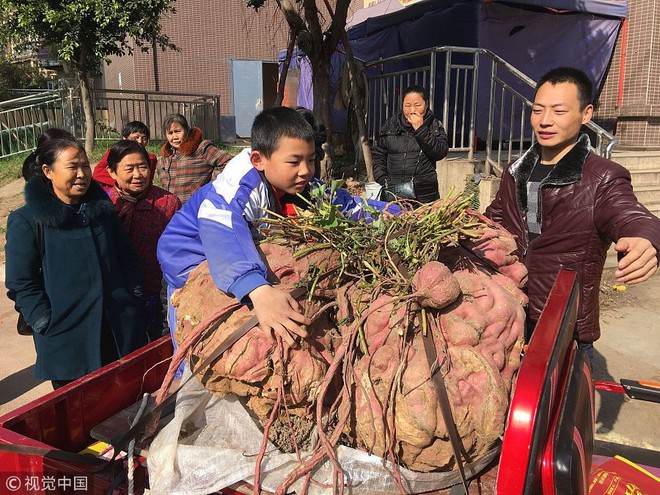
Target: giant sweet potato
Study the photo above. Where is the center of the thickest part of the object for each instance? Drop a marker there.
(362, 375)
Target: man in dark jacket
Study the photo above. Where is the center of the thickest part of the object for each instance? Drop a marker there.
(566, 205)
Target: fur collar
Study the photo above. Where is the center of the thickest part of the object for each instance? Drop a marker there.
(567, 171)
(189, 145)
(48, 210)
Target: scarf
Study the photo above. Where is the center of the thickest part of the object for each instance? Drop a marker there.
(128, 207)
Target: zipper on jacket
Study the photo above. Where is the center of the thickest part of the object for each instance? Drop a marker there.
(539, 201)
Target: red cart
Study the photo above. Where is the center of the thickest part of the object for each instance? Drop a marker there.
(547, 446)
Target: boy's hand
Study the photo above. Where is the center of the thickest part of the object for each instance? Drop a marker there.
(278, 311)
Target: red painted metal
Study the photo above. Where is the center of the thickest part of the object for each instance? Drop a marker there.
(63, 419)
(622, 64)
(539, 383)
(567, 454)
(609, 387)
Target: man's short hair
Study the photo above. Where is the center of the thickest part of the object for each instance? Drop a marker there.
(135, 126)
(123, 148)
(275, 123)
(573, 76)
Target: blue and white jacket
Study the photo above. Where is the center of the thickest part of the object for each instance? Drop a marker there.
(220, 223)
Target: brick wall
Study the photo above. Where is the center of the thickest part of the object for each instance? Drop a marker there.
(120, 74)
(209, 33)
(636, 121)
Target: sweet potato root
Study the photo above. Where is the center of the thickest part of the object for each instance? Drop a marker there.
(362, 374)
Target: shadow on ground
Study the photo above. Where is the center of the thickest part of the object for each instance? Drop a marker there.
(17, 384)
(611, 402)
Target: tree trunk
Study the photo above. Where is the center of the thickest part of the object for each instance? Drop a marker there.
(358, 107)
(321, 92)
(88, 109)
(285, 68)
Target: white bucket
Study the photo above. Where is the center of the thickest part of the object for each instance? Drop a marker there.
(372, 190)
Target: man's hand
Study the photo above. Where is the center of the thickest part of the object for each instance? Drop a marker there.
(640, 260)
(415, 120)
(279, 312)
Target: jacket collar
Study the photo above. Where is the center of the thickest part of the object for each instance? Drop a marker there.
(48, 210)
(567, 171)
(188, 146)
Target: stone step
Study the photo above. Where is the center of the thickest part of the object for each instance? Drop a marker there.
(645, 177)
(637, 160)
(647, 194)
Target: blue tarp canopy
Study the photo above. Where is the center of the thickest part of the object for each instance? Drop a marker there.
(612, 8)
(391, 12)
(533, 35)
(574, 33)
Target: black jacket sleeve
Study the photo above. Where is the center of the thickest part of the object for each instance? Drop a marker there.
(432, 139)
(379, 158)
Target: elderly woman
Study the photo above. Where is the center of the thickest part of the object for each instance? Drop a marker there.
(71, 269)
(133, 131)
(187, 161)
(145, 211)
(408, 146)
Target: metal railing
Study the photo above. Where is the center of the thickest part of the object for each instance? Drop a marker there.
(115, 108)
(482, 97)
(22, 120)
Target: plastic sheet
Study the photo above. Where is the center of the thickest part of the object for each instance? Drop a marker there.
(212, 443)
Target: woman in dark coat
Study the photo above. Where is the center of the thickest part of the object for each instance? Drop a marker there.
(82, 298)
(409, 144)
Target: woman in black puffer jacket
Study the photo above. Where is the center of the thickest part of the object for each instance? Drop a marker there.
(409, 144)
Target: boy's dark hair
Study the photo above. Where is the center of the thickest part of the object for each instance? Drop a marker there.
(123, 148)
(573, 76)
(48, 152)
(135, 126)
(416, 88)
(275, 123)
(179, 119)
(31, 166)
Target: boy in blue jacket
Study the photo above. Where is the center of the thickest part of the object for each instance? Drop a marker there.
(221, 220)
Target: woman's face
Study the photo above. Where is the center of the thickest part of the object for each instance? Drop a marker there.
(175, 135)
(414, 104)
(70, 175)
(132, 174)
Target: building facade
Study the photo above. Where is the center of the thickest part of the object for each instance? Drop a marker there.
(215, 40)
(629, 104)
